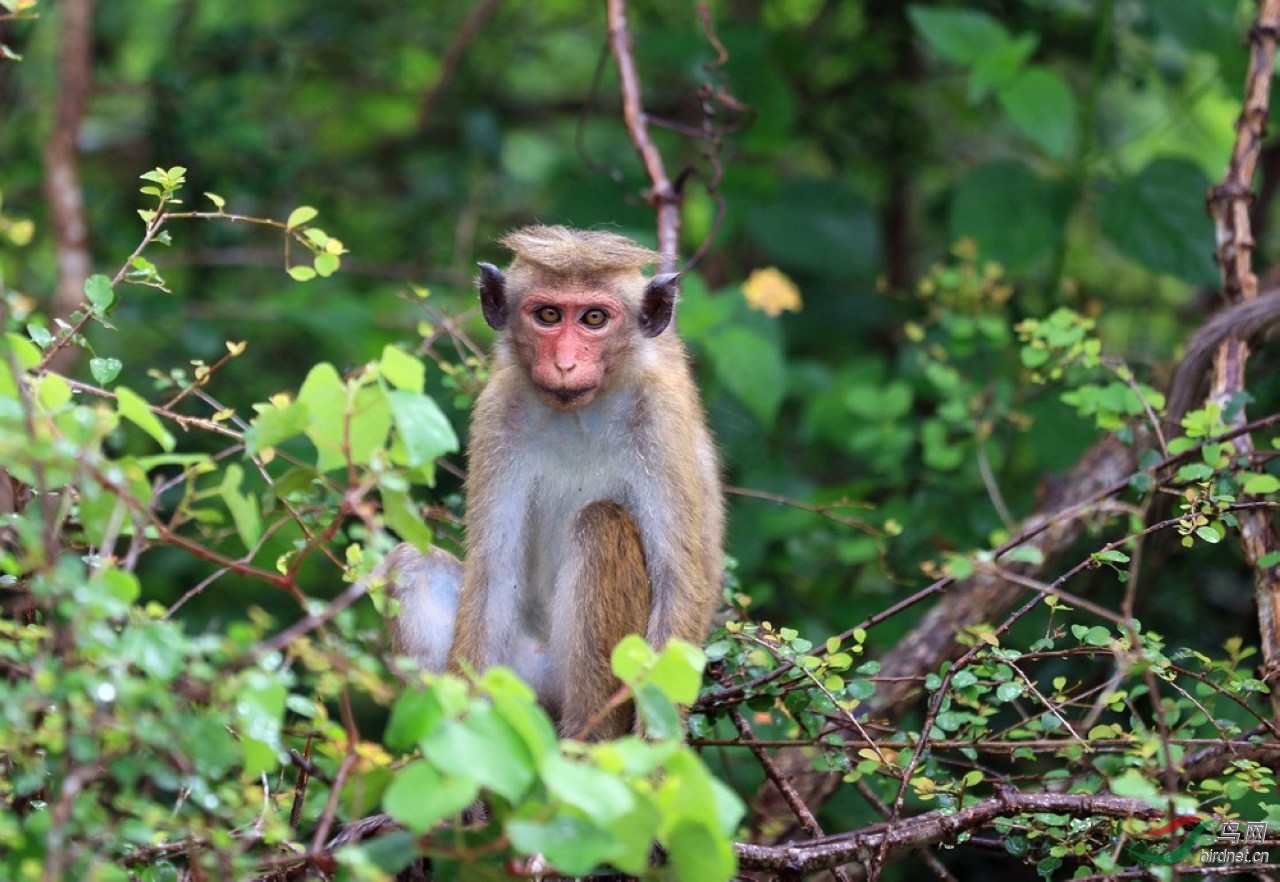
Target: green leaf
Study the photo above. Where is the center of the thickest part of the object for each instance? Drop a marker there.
(1132, 784)
(1001, 66)
(302, 273)
(572, 844)
(155, 648)
(243, 508)
(939, 453)
(103, 509)
(421, 796)
(1097, 636)
(326, 264)
(958, 567)
(596, 793)
(678, 671)
(422, 429)
(414, 716)
(402, 515)
(105, 370)
(659, 715)
(1041, 104)
(122, 586)
(1009, 691)
(218, 202)
(1002, 189)
(52, 391)
(323, 397)
(39, 335)
(960, 35)
(631, 658)
(275, 424)
(1210, 533)
(517, 704)
(401, 369)
(300, 216)
(698, 853)
(97, 288)
(1261, 483)
(343, 421)
(1158, 218)
(689, 794)
(133, 407)
(700, 311)
(486, 749)
(751, 367)
(1196, 471)
(633, 835)
(27, 355)
(259, 708)
(860, 689)
(1028, 554)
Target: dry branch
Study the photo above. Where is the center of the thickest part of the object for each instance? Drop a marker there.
(855, 851)
(452, 61)
(662, 195)
(61, 158)
(1229, 206)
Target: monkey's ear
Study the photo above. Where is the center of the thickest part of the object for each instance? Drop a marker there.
(659, 303)
(493, 296)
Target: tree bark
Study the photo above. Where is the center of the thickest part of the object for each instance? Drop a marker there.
(61, 157)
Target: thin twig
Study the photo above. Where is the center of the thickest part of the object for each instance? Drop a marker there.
(661, 195)
(452, 60)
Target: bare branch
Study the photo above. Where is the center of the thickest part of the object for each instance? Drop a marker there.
(1229, 204)
(61, 157)
(661, 195)
(855, 850)
(470, 29)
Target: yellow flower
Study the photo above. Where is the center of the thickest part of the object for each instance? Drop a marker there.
(771, 291)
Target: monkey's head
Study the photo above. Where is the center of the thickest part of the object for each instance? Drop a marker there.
(575, 308)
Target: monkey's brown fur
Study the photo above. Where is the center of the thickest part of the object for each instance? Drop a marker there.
(613, 556)
(582, 254)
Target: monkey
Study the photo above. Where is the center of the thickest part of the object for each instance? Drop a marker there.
(1245, 320)
(593, 492)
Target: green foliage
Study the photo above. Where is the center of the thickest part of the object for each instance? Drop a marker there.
(116, 712)
(995, 223)
(581, 806)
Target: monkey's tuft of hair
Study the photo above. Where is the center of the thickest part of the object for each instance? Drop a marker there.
(578, 253)
(1245, 320)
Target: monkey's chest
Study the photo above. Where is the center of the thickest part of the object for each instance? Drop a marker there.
(551, 551)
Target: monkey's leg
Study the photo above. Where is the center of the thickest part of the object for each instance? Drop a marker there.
(610, 599)
(426, 586)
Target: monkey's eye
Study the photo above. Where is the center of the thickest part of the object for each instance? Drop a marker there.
(594, 318)
(546, 315)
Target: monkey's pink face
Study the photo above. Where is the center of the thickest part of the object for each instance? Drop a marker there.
(571, 340)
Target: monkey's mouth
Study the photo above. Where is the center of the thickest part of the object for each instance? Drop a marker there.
(568, 398)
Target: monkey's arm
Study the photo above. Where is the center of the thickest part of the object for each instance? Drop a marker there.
(498, 489)
(681, 520)
(1244, 321)
(426, 588)
(489, 601)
